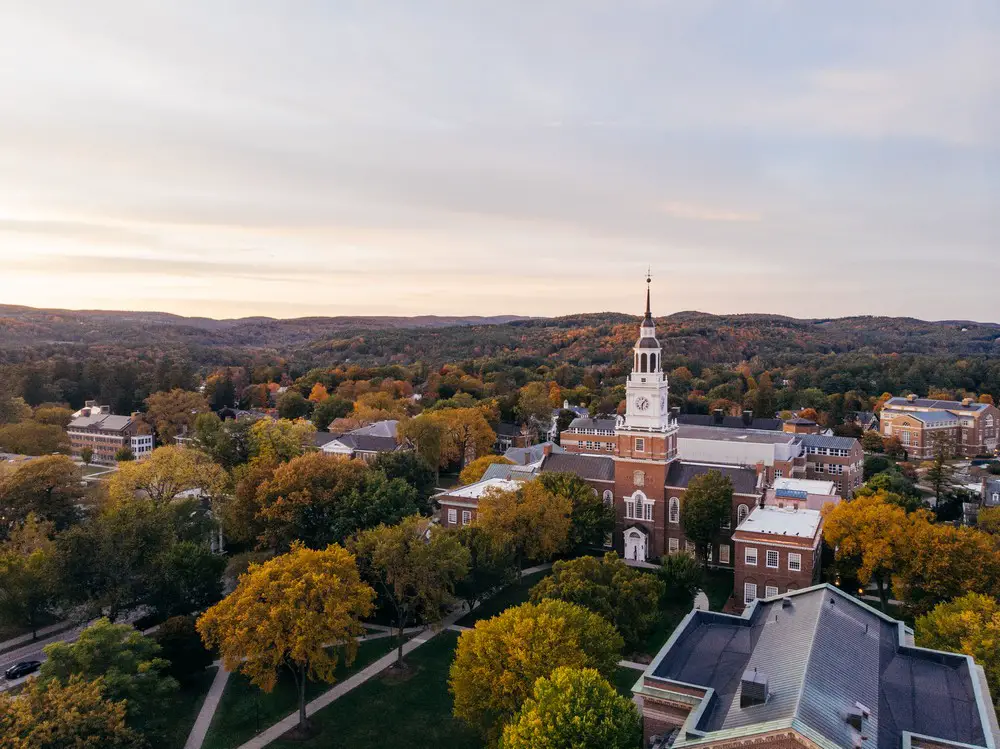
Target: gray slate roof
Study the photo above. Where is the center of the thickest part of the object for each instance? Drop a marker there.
(104, 422)
(368, 443)
(729, 422)
(680, 474)
(524, 455)
(589, 423)
(821, 655)
(824, 440)
(592, 467)
(928, 403)
(321, 438)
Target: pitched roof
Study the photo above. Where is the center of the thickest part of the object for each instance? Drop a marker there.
(104, 422)
(729, 422)
(821, 655)
(799, 421)
(593, 467)
(524, 455)
(368, 443)
(828, 440)
(932, 417)
(321, 438)
(928, 403)
(744, 480)
(586, 422)
(508, 429)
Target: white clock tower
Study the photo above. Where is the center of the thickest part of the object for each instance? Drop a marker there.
(647, 407)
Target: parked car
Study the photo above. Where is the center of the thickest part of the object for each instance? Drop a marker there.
(22, 669)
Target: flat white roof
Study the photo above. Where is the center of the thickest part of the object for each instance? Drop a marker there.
(782, 521)
(477, 490)
(809, 486)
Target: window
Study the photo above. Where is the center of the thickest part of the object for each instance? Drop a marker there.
(630, 508)
(727, 524)
(750, 556)
(466, 517)
(608, 540)
(749, 592)
(723, 553)
(689, 547)
(772, 559)
(452, 516)
(741, 513)
(640, 444)
(906, 438)
(647, 510)
(673, 545)
(609, 498)
(777, 473)
(794, 562)
(675, 510)
(638, 478)
(770, 591)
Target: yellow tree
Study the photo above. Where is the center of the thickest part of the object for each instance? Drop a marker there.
(466, 435)
(318, 394)
(285, 612)
(426, 434)
(74, 715)
(280, 440)
(165, 474)
(377, 406)
(871, 533)
(970, 625)
(498, 661)
(414, 569)
(172, 412)
(530, 521)
(986, 398)
(943, 562)
(989, 520)
(475, 470)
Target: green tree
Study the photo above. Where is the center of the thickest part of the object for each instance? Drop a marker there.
(626, 597)
(172, 413)
(572, 708)
(129, 665)
(124, 454)
(534, 409)
(765, 402)
(293, 405)
(49, 487)
(187, 577)
(33, 438)
(426, 434)
(28, 590)
(227, 443)
(871, 441)
(328, 410)
(989, 520)
(490, 568)
(181, 645)
(681, 576)
(498, 661)
(591, 519)
(74, 715)
(414, 569)
(705, 506)
(939, 469)
(86, 455)
(285, 613)
(411, 467)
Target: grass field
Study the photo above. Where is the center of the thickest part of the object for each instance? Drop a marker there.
(512, 595)
(413, 710)
(182, 710)
(244, 709)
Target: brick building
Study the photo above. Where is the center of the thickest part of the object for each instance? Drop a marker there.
(837, 459)
(817, 669)
(970, 428)
(777, 549)
(105, 433)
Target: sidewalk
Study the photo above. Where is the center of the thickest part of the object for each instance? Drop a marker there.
(208, 708)
(27, 639)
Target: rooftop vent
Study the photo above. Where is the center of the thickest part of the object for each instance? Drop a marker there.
(966, 402)
(786, 602)
(753, 688)
(857, 715)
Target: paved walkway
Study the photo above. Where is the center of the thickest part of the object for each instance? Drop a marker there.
(208, 708)
(633, 665)
(28, 638)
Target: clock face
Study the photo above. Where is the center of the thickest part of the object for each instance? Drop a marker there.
(641, 403)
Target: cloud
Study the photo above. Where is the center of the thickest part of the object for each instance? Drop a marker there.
(705, 213)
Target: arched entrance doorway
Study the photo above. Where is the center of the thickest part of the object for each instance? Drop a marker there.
(636, 544)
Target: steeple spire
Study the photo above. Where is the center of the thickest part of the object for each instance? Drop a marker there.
(649, 315)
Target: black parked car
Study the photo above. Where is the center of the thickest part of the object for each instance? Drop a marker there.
(22, 669)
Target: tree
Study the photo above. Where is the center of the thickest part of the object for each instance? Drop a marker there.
(533, 408)
(50, 487)
(873, 535)
(871, 442)
(173, 412)
(939, 470)
(529, 520)
(986, 398)
(498, 661)
(86, 455)
(943, 562)
(318, 394)
(475, 470)
(59, 416)
(411, 468)
(490, 569)
(129, 664)
(32, 438)
(238, 511)
(571, 708)
(705, 506)
(225, 442)
(591, 519)
(165, 474)
(320, 499)
(765, 402)
(74, 715)
(188, 578)
(563, 420)
(28, 592)
(989, 520)
(681, 575)
(465, 435)
(413, 568)
(293, 405)
(13, 410)
(280, 440)
(285, 613)
(124, 454)
(626, 597)
(427, 435)
(181, 645)
(894, 448)
(329, 410)
(970, 625)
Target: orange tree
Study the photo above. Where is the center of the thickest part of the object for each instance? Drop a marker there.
(529, 520)
(285, 612)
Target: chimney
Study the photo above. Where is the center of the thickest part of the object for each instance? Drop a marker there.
(546, 449)
(89, 404)
(105, 409)
(753, 688)
(565, 405)
(911, 397)
(747, 418)
(717, 416)
(966, 402)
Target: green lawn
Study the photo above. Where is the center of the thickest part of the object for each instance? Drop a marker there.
(512, 595)
(412, 711)
(244, 709)
(182, 710)
(718, 586)
(624, 679)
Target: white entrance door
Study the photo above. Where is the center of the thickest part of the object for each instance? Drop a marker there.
(635, 545)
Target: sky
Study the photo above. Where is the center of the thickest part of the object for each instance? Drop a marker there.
(226, 158)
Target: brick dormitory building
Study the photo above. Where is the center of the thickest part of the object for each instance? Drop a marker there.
(969, 428)
(105, 433)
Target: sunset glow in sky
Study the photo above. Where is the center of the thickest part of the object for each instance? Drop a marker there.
(240, 157)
